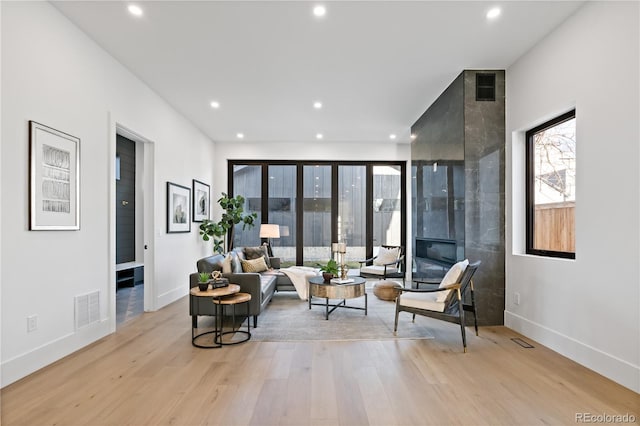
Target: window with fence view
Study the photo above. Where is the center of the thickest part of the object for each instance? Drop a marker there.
(551, 187)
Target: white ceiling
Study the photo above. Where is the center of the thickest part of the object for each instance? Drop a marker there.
(375, 65)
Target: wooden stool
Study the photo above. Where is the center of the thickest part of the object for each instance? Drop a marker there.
(386, 290)
(233, 300)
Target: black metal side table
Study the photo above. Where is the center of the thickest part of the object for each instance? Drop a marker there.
(233, 301)
(214, 294)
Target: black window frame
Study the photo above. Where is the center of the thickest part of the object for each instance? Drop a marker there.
(334, 197)
(530, 186)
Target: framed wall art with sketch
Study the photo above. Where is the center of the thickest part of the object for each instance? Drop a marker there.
(54, 179)
(178, 208)
(201, 202)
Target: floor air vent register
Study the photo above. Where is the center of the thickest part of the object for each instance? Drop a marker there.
(522, 343)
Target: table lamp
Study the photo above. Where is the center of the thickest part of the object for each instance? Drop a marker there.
(268, 231)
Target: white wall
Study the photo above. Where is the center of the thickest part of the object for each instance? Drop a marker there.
(54, 74)
(587, 309)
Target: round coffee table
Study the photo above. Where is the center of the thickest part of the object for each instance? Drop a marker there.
(318, 287)
(215, 293)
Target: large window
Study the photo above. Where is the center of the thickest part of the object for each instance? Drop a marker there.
(352, 210)
(247, 182)
(316, 220)
(320, 202)
(282, 211)
(386, 205)
(551, 187)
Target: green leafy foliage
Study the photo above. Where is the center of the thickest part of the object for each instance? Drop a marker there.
(233, 214)
(331, 267)
(203, 277)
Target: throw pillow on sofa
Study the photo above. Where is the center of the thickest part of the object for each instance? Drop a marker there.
(226, 264)
(236, 266)
(251, 253)
(254, 265)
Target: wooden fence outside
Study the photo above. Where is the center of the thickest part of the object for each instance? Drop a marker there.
(555, 227)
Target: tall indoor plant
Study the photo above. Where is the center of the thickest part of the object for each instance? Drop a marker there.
(232, 214)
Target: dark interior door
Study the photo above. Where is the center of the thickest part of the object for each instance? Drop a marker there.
(125, 200)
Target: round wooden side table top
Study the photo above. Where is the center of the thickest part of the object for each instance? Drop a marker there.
(216, 292)
(234, 299)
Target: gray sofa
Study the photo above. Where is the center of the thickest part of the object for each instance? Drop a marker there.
(261, 286)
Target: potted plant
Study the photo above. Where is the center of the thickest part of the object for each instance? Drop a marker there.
(330, 270)
(233, 214)
(203, 281)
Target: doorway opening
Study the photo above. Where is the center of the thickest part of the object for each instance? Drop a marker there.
(129, 268)
(132, 221)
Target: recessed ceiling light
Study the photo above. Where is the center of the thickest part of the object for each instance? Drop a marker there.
(392, 136)
(317, 104)
(493, 13)
(215, 104)
(319, 11)
(135, 10)
(413, 136)
(319, 136)
(240, 135)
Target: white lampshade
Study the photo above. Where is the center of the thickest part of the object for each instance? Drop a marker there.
(268, 230)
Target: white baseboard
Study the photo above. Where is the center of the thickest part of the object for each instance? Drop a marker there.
(616, 369)
(21, 366)
(170, 296)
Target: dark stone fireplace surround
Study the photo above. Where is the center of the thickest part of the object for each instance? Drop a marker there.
(458, 129)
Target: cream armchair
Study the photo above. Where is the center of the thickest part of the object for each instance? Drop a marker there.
(444, 302)
(389, 263)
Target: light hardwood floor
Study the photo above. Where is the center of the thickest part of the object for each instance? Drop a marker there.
(149, 374)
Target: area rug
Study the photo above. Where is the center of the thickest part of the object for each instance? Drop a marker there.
(287, 318)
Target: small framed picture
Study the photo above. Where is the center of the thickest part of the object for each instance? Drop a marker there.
(178, 206)
(54, 179)
(201, 201)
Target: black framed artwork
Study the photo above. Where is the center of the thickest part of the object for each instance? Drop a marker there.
(201, 201)
(178, 208)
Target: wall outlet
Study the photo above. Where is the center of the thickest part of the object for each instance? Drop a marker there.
(32, 323)
(516, 298)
